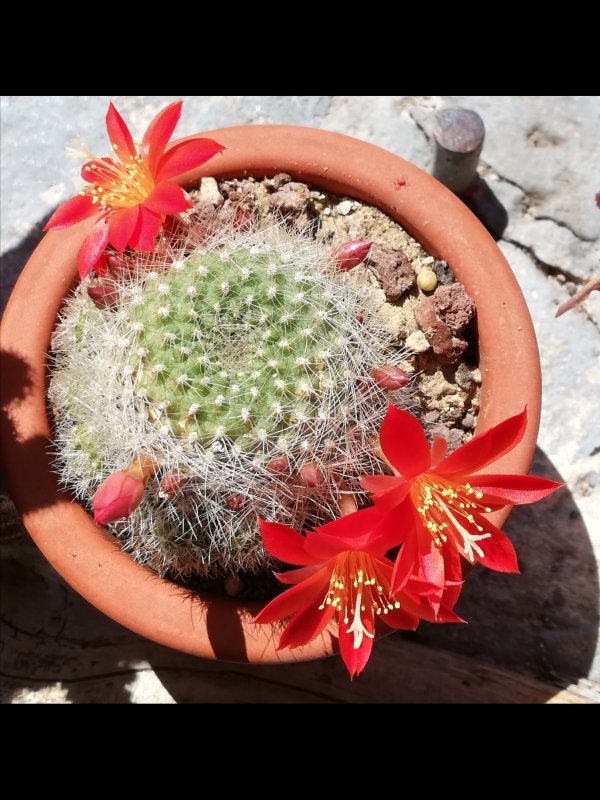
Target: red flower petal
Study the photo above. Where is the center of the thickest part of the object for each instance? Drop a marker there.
(395, 527)
(305, 626)
(159, 133)
(453, 570)
(355, 658)
(447, 615)
(186, 156)
(122, 225)
(513, 489)
(295, 576)
(168, 198)
(71, 212)
(119, 135)
(100, 171)
(362, 530)
(486, 447)
(400, 620)
(406, 562)
(284, 543)
(146, 231)
(432, 562)
(438, 450)
(309, 591)
(388, 492)
(93, 248)
(322, 547)
(420, 606)
(404, 444)
(499, 553)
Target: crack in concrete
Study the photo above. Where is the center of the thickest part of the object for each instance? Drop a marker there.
(561, 224)
(552, 271)
(420, 127)
(526, 202)
(548, 269)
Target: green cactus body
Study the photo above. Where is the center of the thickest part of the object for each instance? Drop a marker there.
(241, 347)
(213, 365)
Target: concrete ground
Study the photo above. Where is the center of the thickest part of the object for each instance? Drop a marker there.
(541, 159)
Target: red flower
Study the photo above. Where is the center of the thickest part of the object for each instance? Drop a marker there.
(438, 502)
(134, 193)
(345, 574)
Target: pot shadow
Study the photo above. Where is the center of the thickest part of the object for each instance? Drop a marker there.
(488, 209)
(13, 261)
(543, 622)
(35, 450)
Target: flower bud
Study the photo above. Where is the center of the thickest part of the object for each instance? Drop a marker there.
(279, 464)
(390, 378)
(119, 495)
(103, 296)
(235, 502)
(172, 483)
(351, 254)
(310, 475)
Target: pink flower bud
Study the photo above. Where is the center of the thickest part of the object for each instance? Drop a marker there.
(172, 483)
(242, 221)
(119, 495)
(235, 502)
(279, 464)
(390, 378)
(103, 296)
(310, 475)
(351, 254)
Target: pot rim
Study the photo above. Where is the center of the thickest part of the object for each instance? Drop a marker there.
(86, 556)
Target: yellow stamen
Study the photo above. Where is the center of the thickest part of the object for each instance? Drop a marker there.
(444, 505)
(358, 591)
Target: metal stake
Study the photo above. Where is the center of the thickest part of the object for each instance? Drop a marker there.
(459, 136)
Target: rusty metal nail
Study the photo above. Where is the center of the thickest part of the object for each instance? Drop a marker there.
(459, 136)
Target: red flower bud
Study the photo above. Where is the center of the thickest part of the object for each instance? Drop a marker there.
(390, 378)
(235, 502)
(279, 464)
(119, 495)
(242, 221)
(351, 254)
(103, 296)
(172, 483)
(310, 475)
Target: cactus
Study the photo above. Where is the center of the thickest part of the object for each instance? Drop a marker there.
(246, 369)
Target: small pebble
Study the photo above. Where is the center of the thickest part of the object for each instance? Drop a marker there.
(465, 378)
(427, 280)
(443, 273)
(209, 192)
(345, 207)
(417, 342)
(468, 422)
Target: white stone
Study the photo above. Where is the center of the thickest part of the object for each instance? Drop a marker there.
(209, 192)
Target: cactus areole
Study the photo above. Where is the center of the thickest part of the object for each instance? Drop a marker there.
(232, 379)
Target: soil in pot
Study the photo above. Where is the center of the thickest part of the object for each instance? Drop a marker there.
(427, 314)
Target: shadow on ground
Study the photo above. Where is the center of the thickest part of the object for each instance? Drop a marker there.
(544, 621)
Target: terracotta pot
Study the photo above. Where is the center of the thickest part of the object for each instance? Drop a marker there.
(87, 556)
